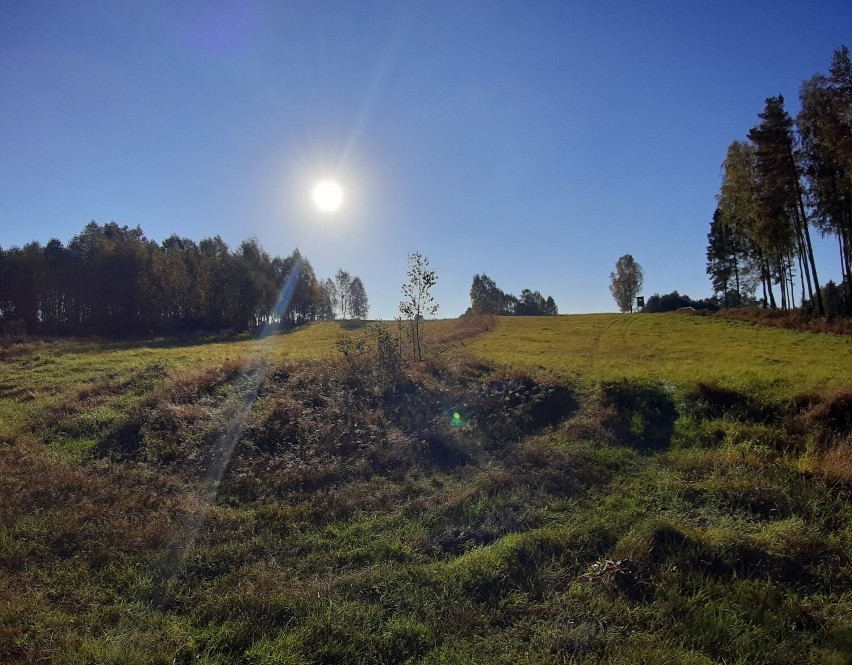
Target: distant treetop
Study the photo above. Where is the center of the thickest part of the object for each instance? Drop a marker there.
(487, 298)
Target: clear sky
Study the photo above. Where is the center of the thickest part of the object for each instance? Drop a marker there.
(534, 141)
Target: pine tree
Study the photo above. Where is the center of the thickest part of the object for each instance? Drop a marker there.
(359, 305)
(825, 128)
(782, 195)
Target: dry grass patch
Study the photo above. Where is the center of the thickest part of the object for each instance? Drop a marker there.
(836, 463)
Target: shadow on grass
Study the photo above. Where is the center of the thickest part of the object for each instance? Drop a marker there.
(642, 414)
(353, 324)
(178, 341)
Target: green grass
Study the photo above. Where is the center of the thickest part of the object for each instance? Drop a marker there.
(596, 500)
(677, 348)
(36, 375)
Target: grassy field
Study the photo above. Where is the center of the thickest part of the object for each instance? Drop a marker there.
(37, 375)
(579, 489)
(678, 348)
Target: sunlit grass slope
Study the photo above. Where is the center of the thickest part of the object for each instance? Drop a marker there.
(677, 348)
(38, 374)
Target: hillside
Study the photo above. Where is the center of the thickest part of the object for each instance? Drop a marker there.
(678, 348)
(573, 489)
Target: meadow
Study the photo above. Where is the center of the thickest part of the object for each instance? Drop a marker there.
(678, 348)
(573, 489)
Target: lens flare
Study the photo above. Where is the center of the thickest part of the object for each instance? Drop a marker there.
(257, 368)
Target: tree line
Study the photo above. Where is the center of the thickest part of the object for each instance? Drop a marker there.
(112, 280)
(487, 298)
(788, 176)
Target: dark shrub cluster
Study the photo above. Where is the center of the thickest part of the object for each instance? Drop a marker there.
(509, 407)
(317, 425)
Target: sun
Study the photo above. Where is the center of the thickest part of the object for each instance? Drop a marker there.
(327, 196)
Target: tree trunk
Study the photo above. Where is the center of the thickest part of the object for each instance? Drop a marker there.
(845, 233)
(810, 249)
(782, 284)
(801, 276)
(802, 252)
(737, 280)
(791, 283)
(845, 268)
(820, 306)
(772, 303)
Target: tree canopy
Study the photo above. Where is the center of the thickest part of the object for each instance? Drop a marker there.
(626, 282)
(487, 298)
(112, 280)
(670, 302)
(787, 177)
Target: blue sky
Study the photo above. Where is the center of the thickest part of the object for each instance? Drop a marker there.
(534, 141)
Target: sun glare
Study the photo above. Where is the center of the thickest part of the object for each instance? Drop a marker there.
(327, 196)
